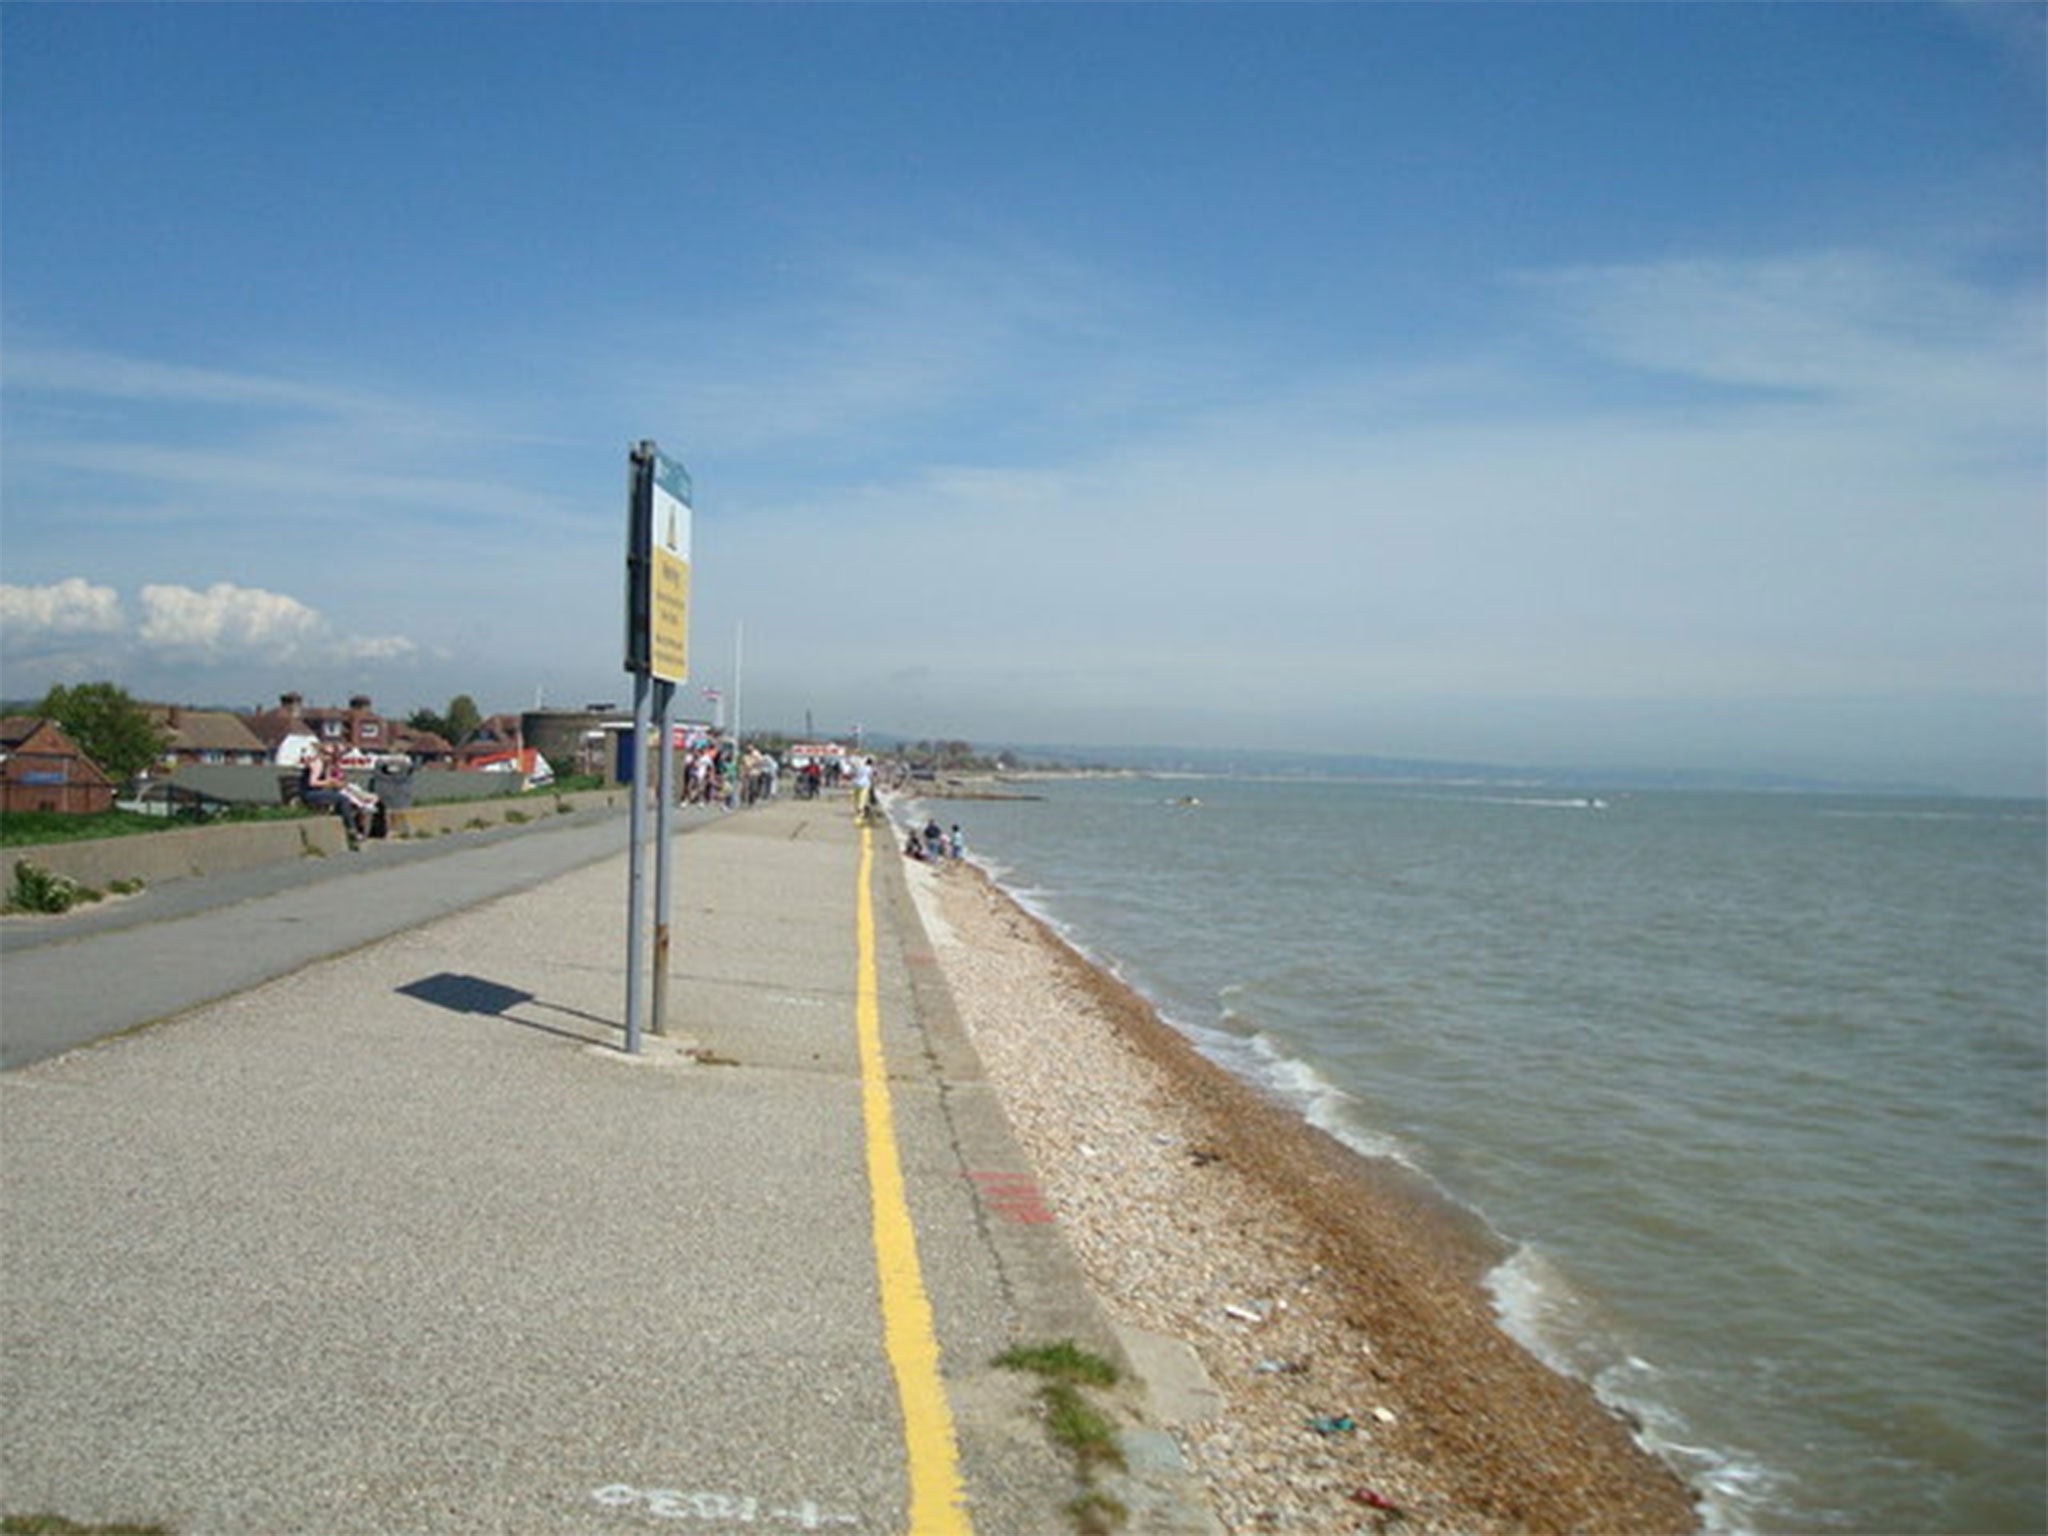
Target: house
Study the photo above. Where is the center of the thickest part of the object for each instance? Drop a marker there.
(497, 736)
(423, 747)
(206, 736)
(362, 733)
(43, 769)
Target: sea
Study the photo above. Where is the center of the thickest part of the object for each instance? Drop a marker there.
(1751, 1088)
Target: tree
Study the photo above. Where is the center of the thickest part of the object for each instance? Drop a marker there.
(433, 724)
(109, 727)
(462, 719)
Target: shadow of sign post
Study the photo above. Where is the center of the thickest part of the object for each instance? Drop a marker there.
(475, 995)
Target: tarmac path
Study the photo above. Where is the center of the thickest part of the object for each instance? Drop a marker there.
(397, 1238)
(188, 942)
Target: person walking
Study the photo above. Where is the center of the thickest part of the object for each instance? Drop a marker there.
(863, 787)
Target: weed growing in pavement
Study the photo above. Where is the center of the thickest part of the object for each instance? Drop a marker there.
(1087, 1433)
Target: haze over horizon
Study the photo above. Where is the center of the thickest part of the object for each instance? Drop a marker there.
(1656, 386)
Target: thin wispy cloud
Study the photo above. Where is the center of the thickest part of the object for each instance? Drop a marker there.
(1456, 384)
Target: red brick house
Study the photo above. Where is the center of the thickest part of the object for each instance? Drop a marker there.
(42, 769)
(359, 727)
(359, 730)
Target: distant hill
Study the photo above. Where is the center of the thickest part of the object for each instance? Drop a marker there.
(1281, 763)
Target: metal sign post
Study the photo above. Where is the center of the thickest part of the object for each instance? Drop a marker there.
(657, 654)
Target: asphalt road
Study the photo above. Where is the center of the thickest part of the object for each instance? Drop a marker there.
(71, 979)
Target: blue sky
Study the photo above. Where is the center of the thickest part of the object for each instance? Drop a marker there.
(1649, 385)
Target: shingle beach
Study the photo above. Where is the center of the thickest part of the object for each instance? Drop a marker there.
(1338, 1309)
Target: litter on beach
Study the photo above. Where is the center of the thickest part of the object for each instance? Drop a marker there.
(1339, 1424)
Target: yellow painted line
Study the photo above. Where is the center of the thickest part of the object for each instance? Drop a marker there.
(938, 1502)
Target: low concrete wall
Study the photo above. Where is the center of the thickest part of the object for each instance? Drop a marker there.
(177, 853)
(472, 815)
(154, 857)
(261, 784)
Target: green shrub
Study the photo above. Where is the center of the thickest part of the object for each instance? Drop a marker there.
(36, 889)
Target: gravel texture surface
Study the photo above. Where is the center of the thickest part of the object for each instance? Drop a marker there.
(1336, 1304)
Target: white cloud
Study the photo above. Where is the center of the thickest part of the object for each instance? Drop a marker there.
(75, 624)
(226, 620)
(74, 607)
(378, 648)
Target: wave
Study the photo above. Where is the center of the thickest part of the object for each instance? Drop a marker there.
(1541, 1310)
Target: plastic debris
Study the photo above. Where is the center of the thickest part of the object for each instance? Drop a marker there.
(1244, 1314)
(1373, 1499)
(1337, 1424)
(1384, 1414)
(1281, 1367)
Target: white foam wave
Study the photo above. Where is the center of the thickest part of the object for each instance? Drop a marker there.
(1540, 1309)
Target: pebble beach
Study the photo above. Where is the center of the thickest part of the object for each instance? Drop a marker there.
(1336, 1304)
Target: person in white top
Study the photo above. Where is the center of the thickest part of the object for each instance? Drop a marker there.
(863, 787)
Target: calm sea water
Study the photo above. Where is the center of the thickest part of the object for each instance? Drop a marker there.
(1754, 1087)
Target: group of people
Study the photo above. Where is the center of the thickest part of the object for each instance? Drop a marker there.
(935, 845)
(710, 776)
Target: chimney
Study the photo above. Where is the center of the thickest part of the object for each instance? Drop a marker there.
(360, 701)
(289, 703)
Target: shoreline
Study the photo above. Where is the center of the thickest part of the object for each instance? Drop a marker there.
(1336, 1301)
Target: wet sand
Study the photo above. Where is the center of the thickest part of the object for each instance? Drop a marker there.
(1336, 1304)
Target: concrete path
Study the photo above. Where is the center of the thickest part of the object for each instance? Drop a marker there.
(403, 1241)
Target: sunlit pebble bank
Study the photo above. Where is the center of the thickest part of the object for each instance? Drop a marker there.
(1339, 1311)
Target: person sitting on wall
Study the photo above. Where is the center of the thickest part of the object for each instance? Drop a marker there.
(324, 786)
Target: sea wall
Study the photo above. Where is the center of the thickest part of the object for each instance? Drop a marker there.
(180, 852)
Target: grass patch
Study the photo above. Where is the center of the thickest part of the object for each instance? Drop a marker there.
(1086, 1433)
(1064, 1361)
(23, 829)
(1095, 1513)
(1081, 1427)
(57, 1525)
(517, 818)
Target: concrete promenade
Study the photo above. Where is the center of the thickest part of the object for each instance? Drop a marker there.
(403, 1241)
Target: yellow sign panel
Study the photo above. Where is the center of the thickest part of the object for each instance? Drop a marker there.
(668, 607)
(669, 656)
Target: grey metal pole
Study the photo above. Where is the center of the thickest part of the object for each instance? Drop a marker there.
(636, 871)
(664, 821)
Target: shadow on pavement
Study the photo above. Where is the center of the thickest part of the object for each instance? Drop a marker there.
(473, 994)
